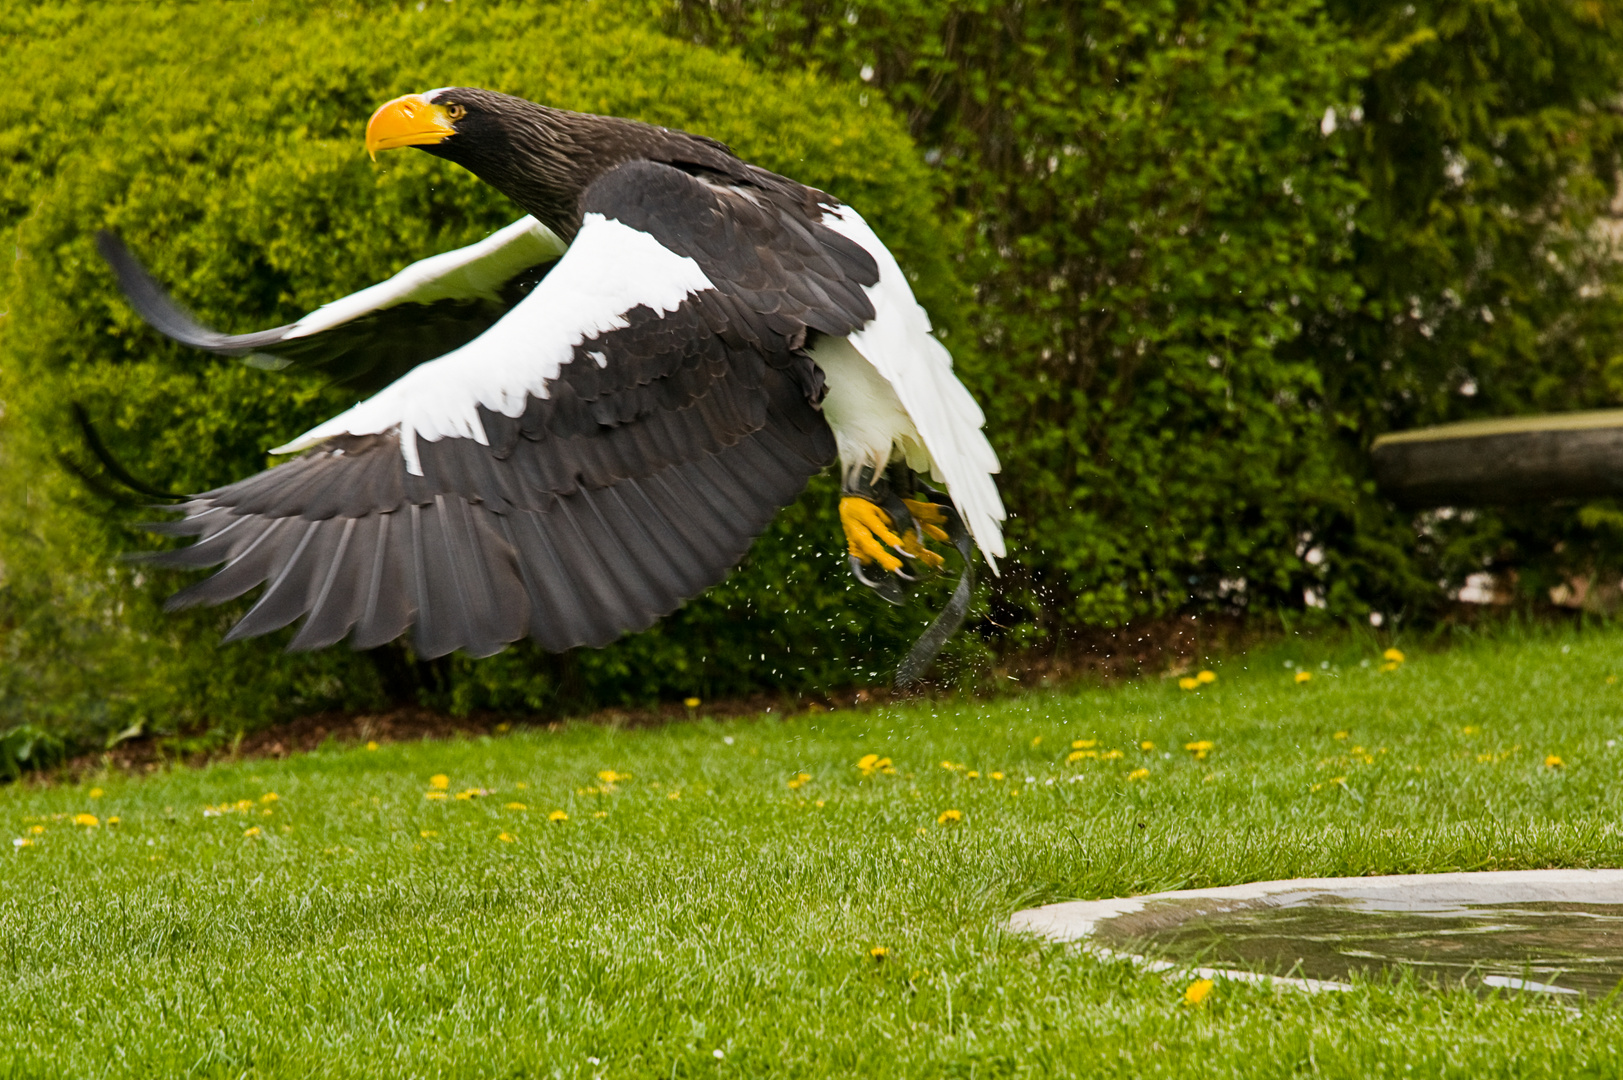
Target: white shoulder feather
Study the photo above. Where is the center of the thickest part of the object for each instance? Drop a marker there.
(610, 269)
(475, 271)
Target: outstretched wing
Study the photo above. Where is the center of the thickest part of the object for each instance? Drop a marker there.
(368, 339)
(605, 451)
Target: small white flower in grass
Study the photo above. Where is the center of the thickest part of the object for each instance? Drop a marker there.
(593, 1061)
(718, 1054)
(1327, 126)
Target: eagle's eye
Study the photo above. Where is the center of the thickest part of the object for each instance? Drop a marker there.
(456, 112)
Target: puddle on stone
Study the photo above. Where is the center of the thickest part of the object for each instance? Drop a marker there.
(1556, 948)
(1551, 932)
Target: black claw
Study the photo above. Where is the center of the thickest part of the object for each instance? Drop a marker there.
(887, 586)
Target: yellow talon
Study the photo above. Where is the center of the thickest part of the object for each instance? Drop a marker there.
(930, 518)
(865, 526)
(911, 545)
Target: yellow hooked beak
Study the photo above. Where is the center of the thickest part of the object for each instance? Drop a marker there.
(407, 121)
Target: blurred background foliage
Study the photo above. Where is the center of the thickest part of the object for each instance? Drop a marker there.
(1193, 257)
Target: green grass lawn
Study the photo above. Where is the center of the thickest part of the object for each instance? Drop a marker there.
(712, 910)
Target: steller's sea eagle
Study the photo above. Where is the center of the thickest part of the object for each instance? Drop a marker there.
(581, 421)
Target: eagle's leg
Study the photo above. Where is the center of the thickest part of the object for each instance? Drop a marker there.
(886, 519)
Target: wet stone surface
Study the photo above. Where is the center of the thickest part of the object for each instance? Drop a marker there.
(1551, 932)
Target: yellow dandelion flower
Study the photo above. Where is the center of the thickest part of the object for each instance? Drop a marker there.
(37, 830)
(1036, 740)
(1084, 744)
(507, 838)
(867, 762)
(878, 952)
(994, 776)
(600, 813)
(114, 820)
(1392, 656)
(426, 833)
(1339, 735)
(437, 795)
(503, 728)
(269, 796)
(949, 817)
(950, 767)
(1304, 676)
(557, 815)
(96, 793)
(1200, 746)
(1138, 774)
(821, 803)
(1198, 992)
(609, 776)
(1206, 677)
(973, 774)
(439, 781)
(1553, 762)
(516, 806)
(252, 830)
(1110, 755)
(466, 794)
(692, 702)
(1469, 729)
(89, 821)
(371, 744)
(1390, 665)
(1078, 755)
(800, 780)
(1146, 745)
(674, 795)
(1188, 683)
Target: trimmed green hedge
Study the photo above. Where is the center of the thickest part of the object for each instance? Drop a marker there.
(223, 141)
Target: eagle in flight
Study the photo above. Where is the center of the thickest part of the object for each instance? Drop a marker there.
(583, 420)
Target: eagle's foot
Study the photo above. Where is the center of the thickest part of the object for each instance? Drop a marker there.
(928, 518)
(869, 535)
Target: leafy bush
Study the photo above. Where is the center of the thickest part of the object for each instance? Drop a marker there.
(224, 143)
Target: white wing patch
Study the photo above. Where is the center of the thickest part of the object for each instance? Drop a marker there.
(475, 271)
(610, 269)
(899, 345)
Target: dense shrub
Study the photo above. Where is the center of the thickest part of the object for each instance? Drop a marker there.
(224, 143)
(1221, 246)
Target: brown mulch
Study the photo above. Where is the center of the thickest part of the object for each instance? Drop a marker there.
(1167, 647)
